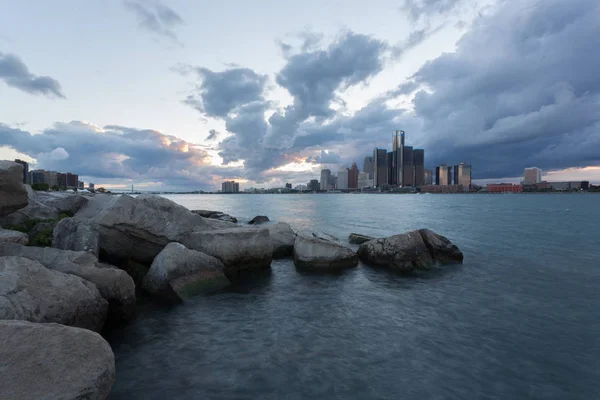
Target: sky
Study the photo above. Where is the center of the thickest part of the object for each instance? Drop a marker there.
(180, 95)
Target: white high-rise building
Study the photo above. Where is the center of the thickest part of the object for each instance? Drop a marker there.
(325, 179)
(363, 177)
(342, 180)
(532, 175)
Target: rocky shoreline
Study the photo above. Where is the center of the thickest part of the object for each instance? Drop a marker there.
(73, 264)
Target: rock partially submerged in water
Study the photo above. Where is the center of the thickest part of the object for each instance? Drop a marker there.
(53, 361)
(239, 249)
(114, 285)
(139, 228)
(357, 238)
(31, 292)
(322, 252)
(282, 239)
(409, 251)
(221, 216)
(178, 273)
(13, 195)
(259, 219)
(9, 236)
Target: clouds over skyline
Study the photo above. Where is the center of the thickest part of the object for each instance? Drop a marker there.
(15, 73)
(518, 89)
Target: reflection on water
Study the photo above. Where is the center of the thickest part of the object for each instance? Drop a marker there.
(520, 319)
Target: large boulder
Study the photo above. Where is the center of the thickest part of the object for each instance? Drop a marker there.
(45, 206)
(442, 250)
(322, 252)
(52, 361)
(31, 292)
(139, 228)
(114, 285)
(357, 238)
(13, 236)
(96, 203)
(259, 219)
(178, 273)
(13, 195)
(240, 249)
(282, 239)
(77, 234)
(408, 251)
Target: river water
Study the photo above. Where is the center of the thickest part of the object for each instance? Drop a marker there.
(520, 319)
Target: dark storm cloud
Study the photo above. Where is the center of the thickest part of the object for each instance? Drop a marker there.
(218, 93)
(117, 152)
(155, 17)
(15, 73)
(212, 135)
(520, 90)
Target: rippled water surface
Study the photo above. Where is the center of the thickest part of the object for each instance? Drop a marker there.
(520, 319)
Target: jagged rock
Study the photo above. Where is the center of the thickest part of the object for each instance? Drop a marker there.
(96, 203)
(63, 202)
(52, 361)
(357, 238)
(404, 252)
(282, 239)
(178, 273)
(77, 234)
(259, 219)
(215, 215)
(322, 252)
(31, 292)
(441, 249)
(139, 228)
(13, 237)
(238, 248)
(13, 195)
(114, 285)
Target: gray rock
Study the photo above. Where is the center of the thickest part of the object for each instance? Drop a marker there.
(63, 202)
(259, 219)
(13, 195)
(13, 237)
(139, 228)
(77, 234)
(282, 239)
(238, 248)
(34, 210)
(178, 273)
(52, 361)
(442, 250)
(31, 292)
(215, 215)
(404, 252)
(322, 252)
(96, 203)
(114, 285)
(357, 238)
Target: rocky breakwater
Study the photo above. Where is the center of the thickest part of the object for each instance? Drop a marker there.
(410, 251)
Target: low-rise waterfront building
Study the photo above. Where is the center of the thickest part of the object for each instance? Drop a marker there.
(504, 188)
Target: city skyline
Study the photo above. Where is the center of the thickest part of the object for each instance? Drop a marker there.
(150, 96)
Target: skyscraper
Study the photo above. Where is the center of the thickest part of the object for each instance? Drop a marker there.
(353, 176)
(379, 166)
(428, 178)
(407, 166)
(443, 175)
(37, 176)
(397, 158)
(230, 187)
(363, 177)
(26, 176)
(342, 181)
(313, 185)
(368, 167)
(419, 167)
(462, 174)
(532, 175)
(391, 170)
(325, 179)
(72, 180)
